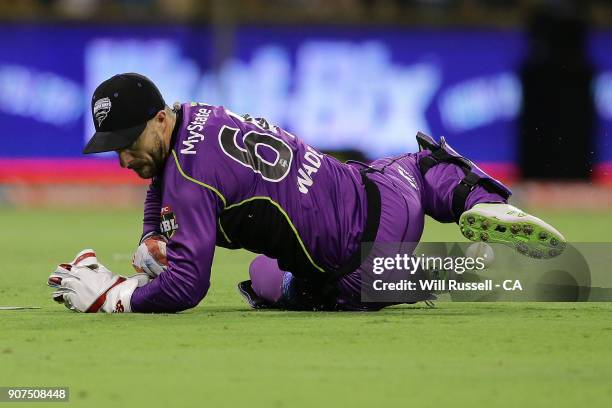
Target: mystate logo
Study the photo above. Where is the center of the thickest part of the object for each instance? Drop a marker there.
(196, 130)
(168, 224)
(101, 109)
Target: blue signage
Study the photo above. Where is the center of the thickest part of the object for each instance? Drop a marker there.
(600, 48)
(338, 88)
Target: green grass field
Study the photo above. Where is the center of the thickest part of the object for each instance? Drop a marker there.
(222, 354)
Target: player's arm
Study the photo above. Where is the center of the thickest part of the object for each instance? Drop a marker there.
(85, 285)
(150, 256)
(189, 253)
(152, 209)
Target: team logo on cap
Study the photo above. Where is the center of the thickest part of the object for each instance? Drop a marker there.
(168, 224)
(101, 109)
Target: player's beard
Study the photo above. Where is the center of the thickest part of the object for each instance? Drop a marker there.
(150, 156)
(157, 160)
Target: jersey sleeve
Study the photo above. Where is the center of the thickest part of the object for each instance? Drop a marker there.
(190, 252)
(152, 208)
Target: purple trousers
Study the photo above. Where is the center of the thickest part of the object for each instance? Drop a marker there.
(406, 197)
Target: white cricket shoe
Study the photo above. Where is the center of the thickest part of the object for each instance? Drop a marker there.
(508, 225)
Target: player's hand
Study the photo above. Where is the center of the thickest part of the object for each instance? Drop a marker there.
(150, 256)
(84, 285)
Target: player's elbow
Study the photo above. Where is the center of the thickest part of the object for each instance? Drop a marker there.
(183, 293)
(192, 297)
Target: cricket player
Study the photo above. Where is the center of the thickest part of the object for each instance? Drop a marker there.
(221, 179)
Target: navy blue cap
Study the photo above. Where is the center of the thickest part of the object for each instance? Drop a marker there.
(121, 107)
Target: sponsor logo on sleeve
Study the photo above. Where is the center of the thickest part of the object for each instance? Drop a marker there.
(168, 224)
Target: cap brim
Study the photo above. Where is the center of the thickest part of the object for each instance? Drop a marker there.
(115, 140)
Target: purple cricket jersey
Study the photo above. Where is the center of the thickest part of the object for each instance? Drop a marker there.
(239, 182)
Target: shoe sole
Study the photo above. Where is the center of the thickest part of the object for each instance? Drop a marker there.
(528, 238)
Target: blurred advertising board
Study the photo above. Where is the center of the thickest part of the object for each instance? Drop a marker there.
(339, 88)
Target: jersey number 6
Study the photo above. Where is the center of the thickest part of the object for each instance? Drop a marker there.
(249, 157)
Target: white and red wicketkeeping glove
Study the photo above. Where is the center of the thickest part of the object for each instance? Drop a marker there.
(85, 285)
(150, 256)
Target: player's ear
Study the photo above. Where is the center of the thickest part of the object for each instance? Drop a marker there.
(160, 119)
(160, 116)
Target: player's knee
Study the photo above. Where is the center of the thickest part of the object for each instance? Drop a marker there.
(261, 264)
(266, 278)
